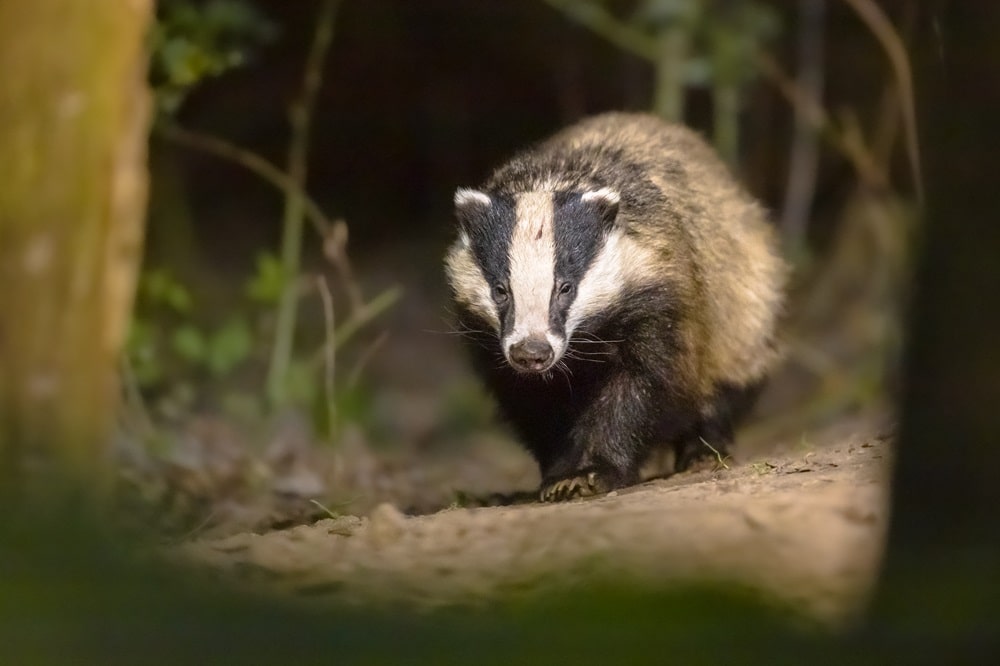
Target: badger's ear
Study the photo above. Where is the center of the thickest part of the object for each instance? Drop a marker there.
(470, 206)
(604, 202)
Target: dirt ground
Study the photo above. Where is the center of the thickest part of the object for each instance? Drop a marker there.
(803, 523)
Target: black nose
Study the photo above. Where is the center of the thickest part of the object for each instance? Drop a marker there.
(533, 354)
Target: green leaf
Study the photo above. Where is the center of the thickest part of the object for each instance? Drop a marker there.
(229, 346)
(193, 41)
(159, 287)
(184, 64)
(189, 343)
(268, 282)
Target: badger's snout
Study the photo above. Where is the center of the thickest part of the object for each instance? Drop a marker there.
(531, 355)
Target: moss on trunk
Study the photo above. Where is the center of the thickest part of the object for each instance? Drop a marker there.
(74, 118)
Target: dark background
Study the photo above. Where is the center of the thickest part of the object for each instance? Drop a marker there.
(422, 97)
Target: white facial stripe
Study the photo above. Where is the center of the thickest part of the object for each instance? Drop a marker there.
(621, 261)
(532, 265)
(470, 284)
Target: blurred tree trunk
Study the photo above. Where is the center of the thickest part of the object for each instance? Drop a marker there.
(74, 117)
(940, 584)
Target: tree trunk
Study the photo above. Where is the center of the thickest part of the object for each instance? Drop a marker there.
(939, 589)
(74, 118)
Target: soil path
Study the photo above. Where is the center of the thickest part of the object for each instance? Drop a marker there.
(804, 524)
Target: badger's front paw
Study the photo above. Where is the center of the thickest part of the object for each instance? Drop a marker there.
(584, 483)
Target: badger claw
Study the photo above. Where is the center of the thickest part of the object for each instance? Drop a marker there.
(584, 484)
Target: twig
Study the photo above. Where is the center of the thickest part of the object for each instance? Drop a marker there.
(604, 23)
(330, 351)
(880, 25)
(802, 166)
(199, 527)
(364, 357)
(325, 510)
(714, 450)
(291, 244)
(333, 233)
(252, 162)
(359, 319)
(369, 311)
(889, 115)
(726, 99)
(667, 50)
(335, 251)
(329, 512)
(672, 44)
(814, 113)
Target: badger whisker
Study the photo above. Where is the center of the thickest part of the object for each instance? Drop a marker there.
(589, 352)
(593, 340)
(574, 357)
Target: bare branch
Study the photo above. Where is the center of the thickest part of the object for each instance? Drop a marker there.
(880, 25)
(804, 160)
(250, 161)
(330, 351)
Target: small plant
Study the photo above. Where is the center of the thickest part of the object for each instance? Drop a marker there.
(192, 42)
(719, 458)
(181, 356)
(175, 355)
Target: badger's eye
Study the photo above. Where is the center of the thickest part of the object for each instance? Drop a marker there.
(565, 288)
(500, 294)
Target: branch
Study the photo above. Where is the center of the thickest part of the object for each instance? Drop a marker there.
(250, 161)
(813, 112)
(371, 309)
(892, 44)
(330, 353)
(605, 24)
(300, 116)
(804, 160)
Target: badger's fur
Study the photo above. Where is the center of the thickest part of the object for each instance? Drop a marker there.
(622, 292)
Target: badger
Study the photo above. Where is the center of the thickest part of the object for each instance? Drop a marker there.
(620, 292)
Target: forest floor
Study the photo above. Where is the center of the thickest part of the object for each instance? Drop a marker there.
(801, 521)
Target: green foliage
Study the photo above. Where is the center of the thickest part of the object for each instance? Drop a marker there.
(182, 358)
(170, 349)
(724, 35)
(195, 41)
(270, 280)
(180, 354)
(160, 286)
(735, 35)
(218, 351)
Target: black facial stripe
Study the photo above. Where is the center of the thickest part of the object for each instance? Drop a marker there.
(490, 230)
(579, 231)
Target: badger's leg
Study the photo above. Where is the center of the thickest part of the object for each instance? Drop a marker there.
(714, 434)
(607, 443)
(710, 443)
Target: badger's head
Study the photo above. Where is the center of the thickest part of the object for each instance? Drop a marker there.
(535, 266)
